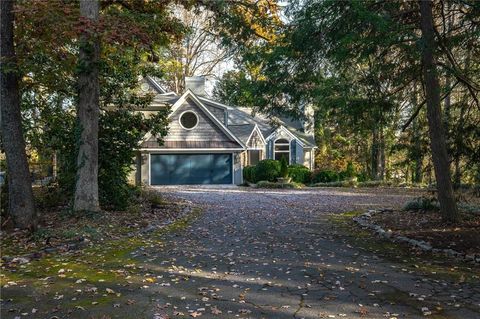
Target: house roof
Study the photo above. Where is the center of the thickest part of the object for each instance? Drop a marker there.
(242, 116)
(242, 131)
(241, 121)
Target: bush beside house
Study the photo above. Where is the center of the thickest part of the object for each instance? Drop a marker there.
(249, 174)
(269, 170)
(325, 176)
(283, 168)
(299, 174)
(335, 178)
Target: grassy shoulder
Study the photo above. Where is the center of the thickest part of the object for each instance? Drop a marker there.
(60, 227)
(409, 259)
(109, 238)
(102, 274)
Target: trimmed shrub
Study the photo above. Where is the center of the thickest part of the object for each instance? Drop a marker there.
(267, 170)
(469, 208)
(118, 139)
(420, 203)
(299, 173)
(283, 167)
(326, 176)
(349, 172)
(249, 174)
(363, 177)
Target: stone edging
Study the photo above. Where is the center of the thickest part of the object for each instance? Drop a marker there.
(364, 220)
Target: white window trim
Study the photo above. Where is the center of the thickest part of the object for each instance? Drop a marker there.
(289, 149)
(260, 154)
(180, 120)
(274, 135)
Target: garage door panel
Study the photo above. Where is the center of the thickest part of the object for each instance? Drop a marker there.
(160, 169)
(222, 167)
(180, 169)
(199, 170)
(170, 169)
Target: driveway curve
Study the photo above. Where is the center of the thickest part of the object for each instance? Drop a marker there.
(276, 254)
(250, 254)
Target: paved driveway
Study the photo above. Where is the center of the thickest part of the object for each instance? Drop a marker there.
(274, 254)
(251, 254)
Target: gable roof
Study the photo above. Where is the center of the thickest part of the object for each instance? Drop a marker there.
(189, 94)
(242, 131)
(240, 121)
(281, 129)
(155, 85)
(257, 130)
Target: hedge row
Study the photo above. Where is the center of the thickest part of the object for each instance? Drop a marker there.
(269, 170)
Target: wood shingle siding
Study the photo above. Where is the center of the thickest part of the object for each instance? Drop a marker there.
(206, 130)
(152, 143)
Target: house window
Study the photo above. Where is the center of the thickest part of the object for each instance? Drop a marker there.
(253, 157)
(188, 120)
(282, 149)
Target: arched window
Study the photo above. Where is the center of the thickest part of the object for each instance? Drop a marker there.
(282, 149)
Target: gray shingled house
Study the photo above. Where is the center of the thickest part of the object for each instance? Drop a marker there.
(210, 143)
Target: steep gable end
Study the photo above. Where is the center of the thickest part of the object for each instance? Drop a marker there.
(205, 130)
(208, 132)
(256, 140)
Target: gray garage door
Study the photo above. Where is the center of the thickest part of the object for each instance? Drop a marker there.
(188, 169)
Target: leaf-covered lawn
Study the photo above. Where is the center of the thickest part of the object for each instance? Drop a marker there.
(463, 237)
(101, 275)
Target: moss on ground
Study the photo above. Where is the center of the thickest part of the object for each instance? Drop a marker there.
(105, 264)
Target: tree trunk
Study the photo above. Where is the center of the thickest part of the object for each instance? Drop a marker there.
(459, 147)
(418, 153)
(458, 172)
(21, 204)
(86, 188)
(417, 143)
(383, 159)
(378, 154)
(438, 145)
(448, 105)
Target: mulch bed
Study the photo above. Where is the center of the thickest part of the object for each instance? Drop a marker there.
(463, 237)
(60, 229)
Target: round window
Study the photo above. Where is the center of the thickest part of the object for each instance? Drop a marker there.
(188, 120)
(145, 87)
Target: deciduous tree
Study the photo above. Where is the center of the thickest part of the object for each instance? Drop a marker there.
(21, 205)
(88, 109)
